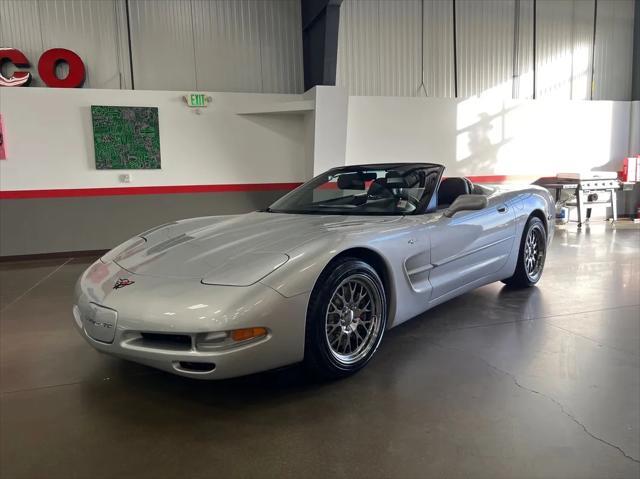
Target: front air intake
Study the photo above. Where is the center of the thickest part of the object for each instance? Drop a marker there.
(175, 342)
(192, 367)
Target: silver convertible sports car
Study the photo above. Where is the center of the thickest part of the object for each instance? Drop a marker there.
(317, 277)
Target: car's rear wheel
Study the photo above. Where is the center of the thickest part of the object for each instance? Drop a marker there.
(346, 318)
(531, 256)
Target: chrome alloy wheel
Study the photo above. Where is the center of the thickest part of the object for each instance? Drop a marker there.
(534, 252)
(354, 318)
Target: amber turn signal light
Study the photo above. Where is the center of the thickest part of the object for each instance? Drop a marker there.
(247, 333)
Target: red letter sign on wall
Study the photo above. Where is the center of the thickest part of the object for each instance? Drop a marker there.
(18, 59)
(49, 60)
(47, 68)
(3, 145)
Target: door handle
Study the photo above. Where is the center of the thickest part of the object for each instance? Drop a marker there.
(502, 209)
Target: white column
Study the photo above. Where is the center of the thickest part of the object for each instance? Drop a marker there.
(329, 125)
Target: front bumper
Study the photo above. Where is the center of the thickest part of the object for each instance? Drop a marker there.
(134, 322)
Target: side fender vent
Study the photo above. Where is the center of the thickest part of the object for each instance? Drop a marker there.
(417, 270)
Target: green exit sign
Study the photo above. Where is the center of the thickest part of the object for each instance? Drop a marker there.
(197, 100)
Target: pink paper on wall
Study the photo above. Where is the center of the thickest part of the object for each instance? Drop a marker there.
(3, 145)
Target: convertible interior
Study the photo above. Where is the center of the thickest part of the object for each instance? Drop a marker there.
(381, 190)
(395, 192)
(450, 189)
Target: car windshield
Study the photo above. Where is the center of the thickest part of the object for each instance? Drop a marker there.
(398, 189)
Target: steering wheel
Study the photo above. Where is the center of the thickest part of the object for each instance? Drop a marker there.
(404, 196)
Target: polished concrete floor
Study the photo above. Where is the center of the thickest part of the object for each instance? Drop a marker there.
(497, 383)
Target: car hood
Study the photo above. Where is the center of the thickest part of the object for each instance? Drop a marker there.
(228, 250)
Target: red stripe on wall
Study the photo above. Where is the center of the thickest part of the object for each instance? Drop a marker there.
(146, 190)
(166, 190)
(488, 179)
(503, 178)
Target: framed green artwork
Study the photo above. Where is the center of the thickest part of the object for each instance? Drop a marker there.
(126, 138)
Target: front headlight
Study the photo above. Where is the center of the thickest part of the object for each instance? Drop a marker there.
(229, 339)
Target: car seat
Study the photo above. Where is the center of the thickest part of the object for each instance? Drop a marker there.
(450, 189)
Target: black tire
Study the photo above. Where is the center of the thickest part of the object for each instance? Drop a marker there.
(525, 275)
(327, 326)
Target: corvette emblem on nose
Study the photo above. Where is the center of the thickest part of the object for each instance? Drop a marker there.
(122, 282)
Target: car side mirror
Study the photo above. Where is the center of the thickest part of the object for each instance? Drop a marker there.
(466, 203)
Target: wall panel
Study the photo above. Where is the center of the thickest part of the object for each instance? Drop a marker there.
(227, 30)
(485, 39)
(280, 34)
(88, 28)
(386, 47)
(222, 45)
(379, 48)
(20, 28)
(523, 50)
(162, 45)
(495, 50)
(358, 67)
(95, 23)
(225, 45)
(614, 50)
(399, 47)
(564, 48)
(438, 49)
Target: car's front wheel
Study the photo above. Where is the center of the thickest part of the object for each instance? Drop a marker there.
(531, 256)
(346, 318)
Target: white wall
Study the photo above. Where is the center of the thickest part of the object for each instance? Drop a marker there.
(634, 140)
(330, 128)
(50, 140)
(50, 143)
(485, 137)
